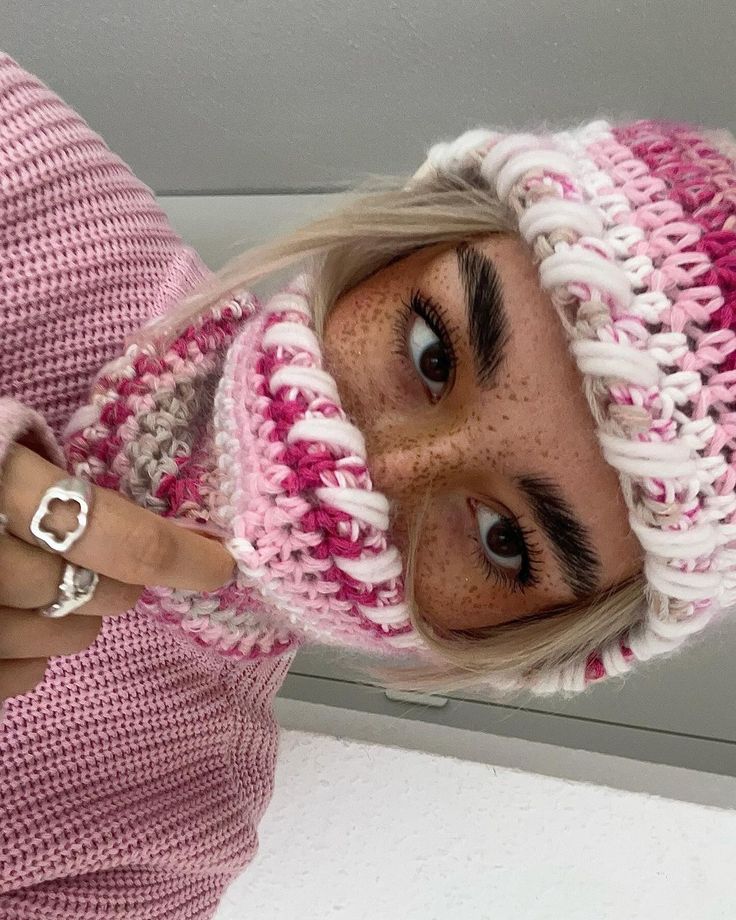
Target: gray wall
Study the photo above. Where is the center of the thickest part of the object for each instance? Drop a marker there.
(254, 95)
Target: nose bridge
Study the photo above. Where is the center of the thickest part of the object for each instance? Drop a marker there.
(406, 461)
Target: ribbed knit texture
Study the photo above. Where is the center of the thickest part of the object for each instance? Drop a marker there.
(133, 778)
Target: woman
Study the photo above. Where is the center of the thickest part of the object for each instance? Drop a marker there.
(492, 542)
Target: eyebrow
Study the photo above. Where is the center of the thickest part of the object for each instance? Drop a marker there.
(489, 333)
(488, 325)
(570, 539)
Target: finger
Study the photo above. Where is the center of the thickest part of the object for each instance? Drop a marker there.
(33, 578)
(122, 541)
(25, 634)
(30, 577)
(20, 676)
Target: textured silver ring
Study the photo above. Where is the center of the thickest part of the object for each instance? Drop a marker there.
(76, 588)
(3, 523)
(72, 489)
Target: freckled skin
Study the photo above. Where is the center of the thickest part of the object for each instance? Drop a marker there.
(473, 442)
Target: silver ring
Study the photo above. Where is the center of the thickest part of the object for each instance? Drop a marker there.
(72, 489)
(3, 523)
(77, 586)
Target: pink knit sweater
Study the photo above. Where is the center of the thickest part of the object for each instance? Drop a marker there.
(134, 777)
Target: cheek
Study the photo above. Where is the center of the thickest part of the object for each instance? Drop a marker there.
(449, 590)
(452, 588)
(359, 349)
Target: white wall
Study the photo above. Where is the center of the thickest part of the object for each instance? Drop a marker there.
(362, 832)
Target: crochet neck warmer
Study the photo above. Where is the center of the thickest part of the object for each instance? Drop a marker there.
(237, 429)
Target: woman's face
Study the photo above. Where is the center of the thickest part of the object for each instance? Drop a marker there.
(455, 367)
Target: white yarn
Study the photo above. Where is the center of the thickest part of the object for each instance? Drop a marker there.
(328, 431)
(503, 150)
(291, 335)
(530, 160)
(685, 586)
(372, 569)
(663, 451)
(371, 507)
(615, 361)
(651, 469)
(577, 265)
(403, 640)
(700, 540)
(452, 157)
(285, 302)
(614, 661)
(304, 378)
(546, 216)
(392, 615)
(83, 417)
(676, 631)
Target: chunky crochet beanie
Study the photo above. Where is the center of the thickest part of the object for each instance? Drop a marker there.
(633, 228)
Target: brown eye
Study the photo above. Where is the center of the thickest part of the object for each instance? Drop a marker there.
(429, 356)
(502, 541)
(434, 363)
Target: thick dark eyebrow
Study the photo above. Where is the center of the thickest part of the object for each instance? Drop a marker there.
(488, 325)
(570, 539)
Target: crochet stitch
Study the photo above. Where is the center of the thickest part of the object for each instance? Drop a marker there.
(634, 231)
(274, 466)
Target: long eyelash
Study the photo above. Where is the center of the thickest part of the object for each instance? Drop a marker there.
(530, 563)
(433, 316)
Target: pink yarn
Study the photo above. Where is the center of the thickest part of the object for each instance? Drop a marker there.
(702, 181)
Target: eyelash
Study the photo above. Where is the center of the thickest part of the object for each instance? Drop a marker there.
(433, 316)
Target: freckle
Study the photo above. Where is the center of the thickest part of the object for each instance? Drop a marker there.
(505, 418)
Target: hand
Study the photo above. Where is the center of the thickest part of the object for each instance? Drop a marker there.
(128, 546)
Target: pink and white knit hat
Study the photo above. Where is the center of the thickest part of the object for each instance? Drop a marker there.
(633, 228)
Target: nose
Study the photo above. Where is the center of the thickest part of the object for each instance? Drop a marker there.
(407, 463)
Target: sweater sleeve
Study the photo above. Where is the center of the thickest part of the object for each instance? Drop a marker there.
(134, 775)
(86, 254)
(20, 424)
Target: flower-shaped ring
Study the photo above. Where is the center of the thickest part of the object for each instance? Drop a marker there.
(72, 489)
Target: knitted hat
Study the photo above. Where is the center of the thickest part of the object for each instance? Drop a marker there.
(633, 228)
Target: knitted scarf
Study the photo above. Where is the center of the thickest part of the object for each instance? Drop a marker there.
(236, 429)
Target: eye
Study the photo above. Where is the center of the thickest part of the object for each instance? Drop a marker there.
(429, 356)
(426, 339)
(501, 539)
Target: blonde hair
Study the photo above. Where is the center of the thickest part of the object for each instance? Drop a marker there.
(384, 222)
